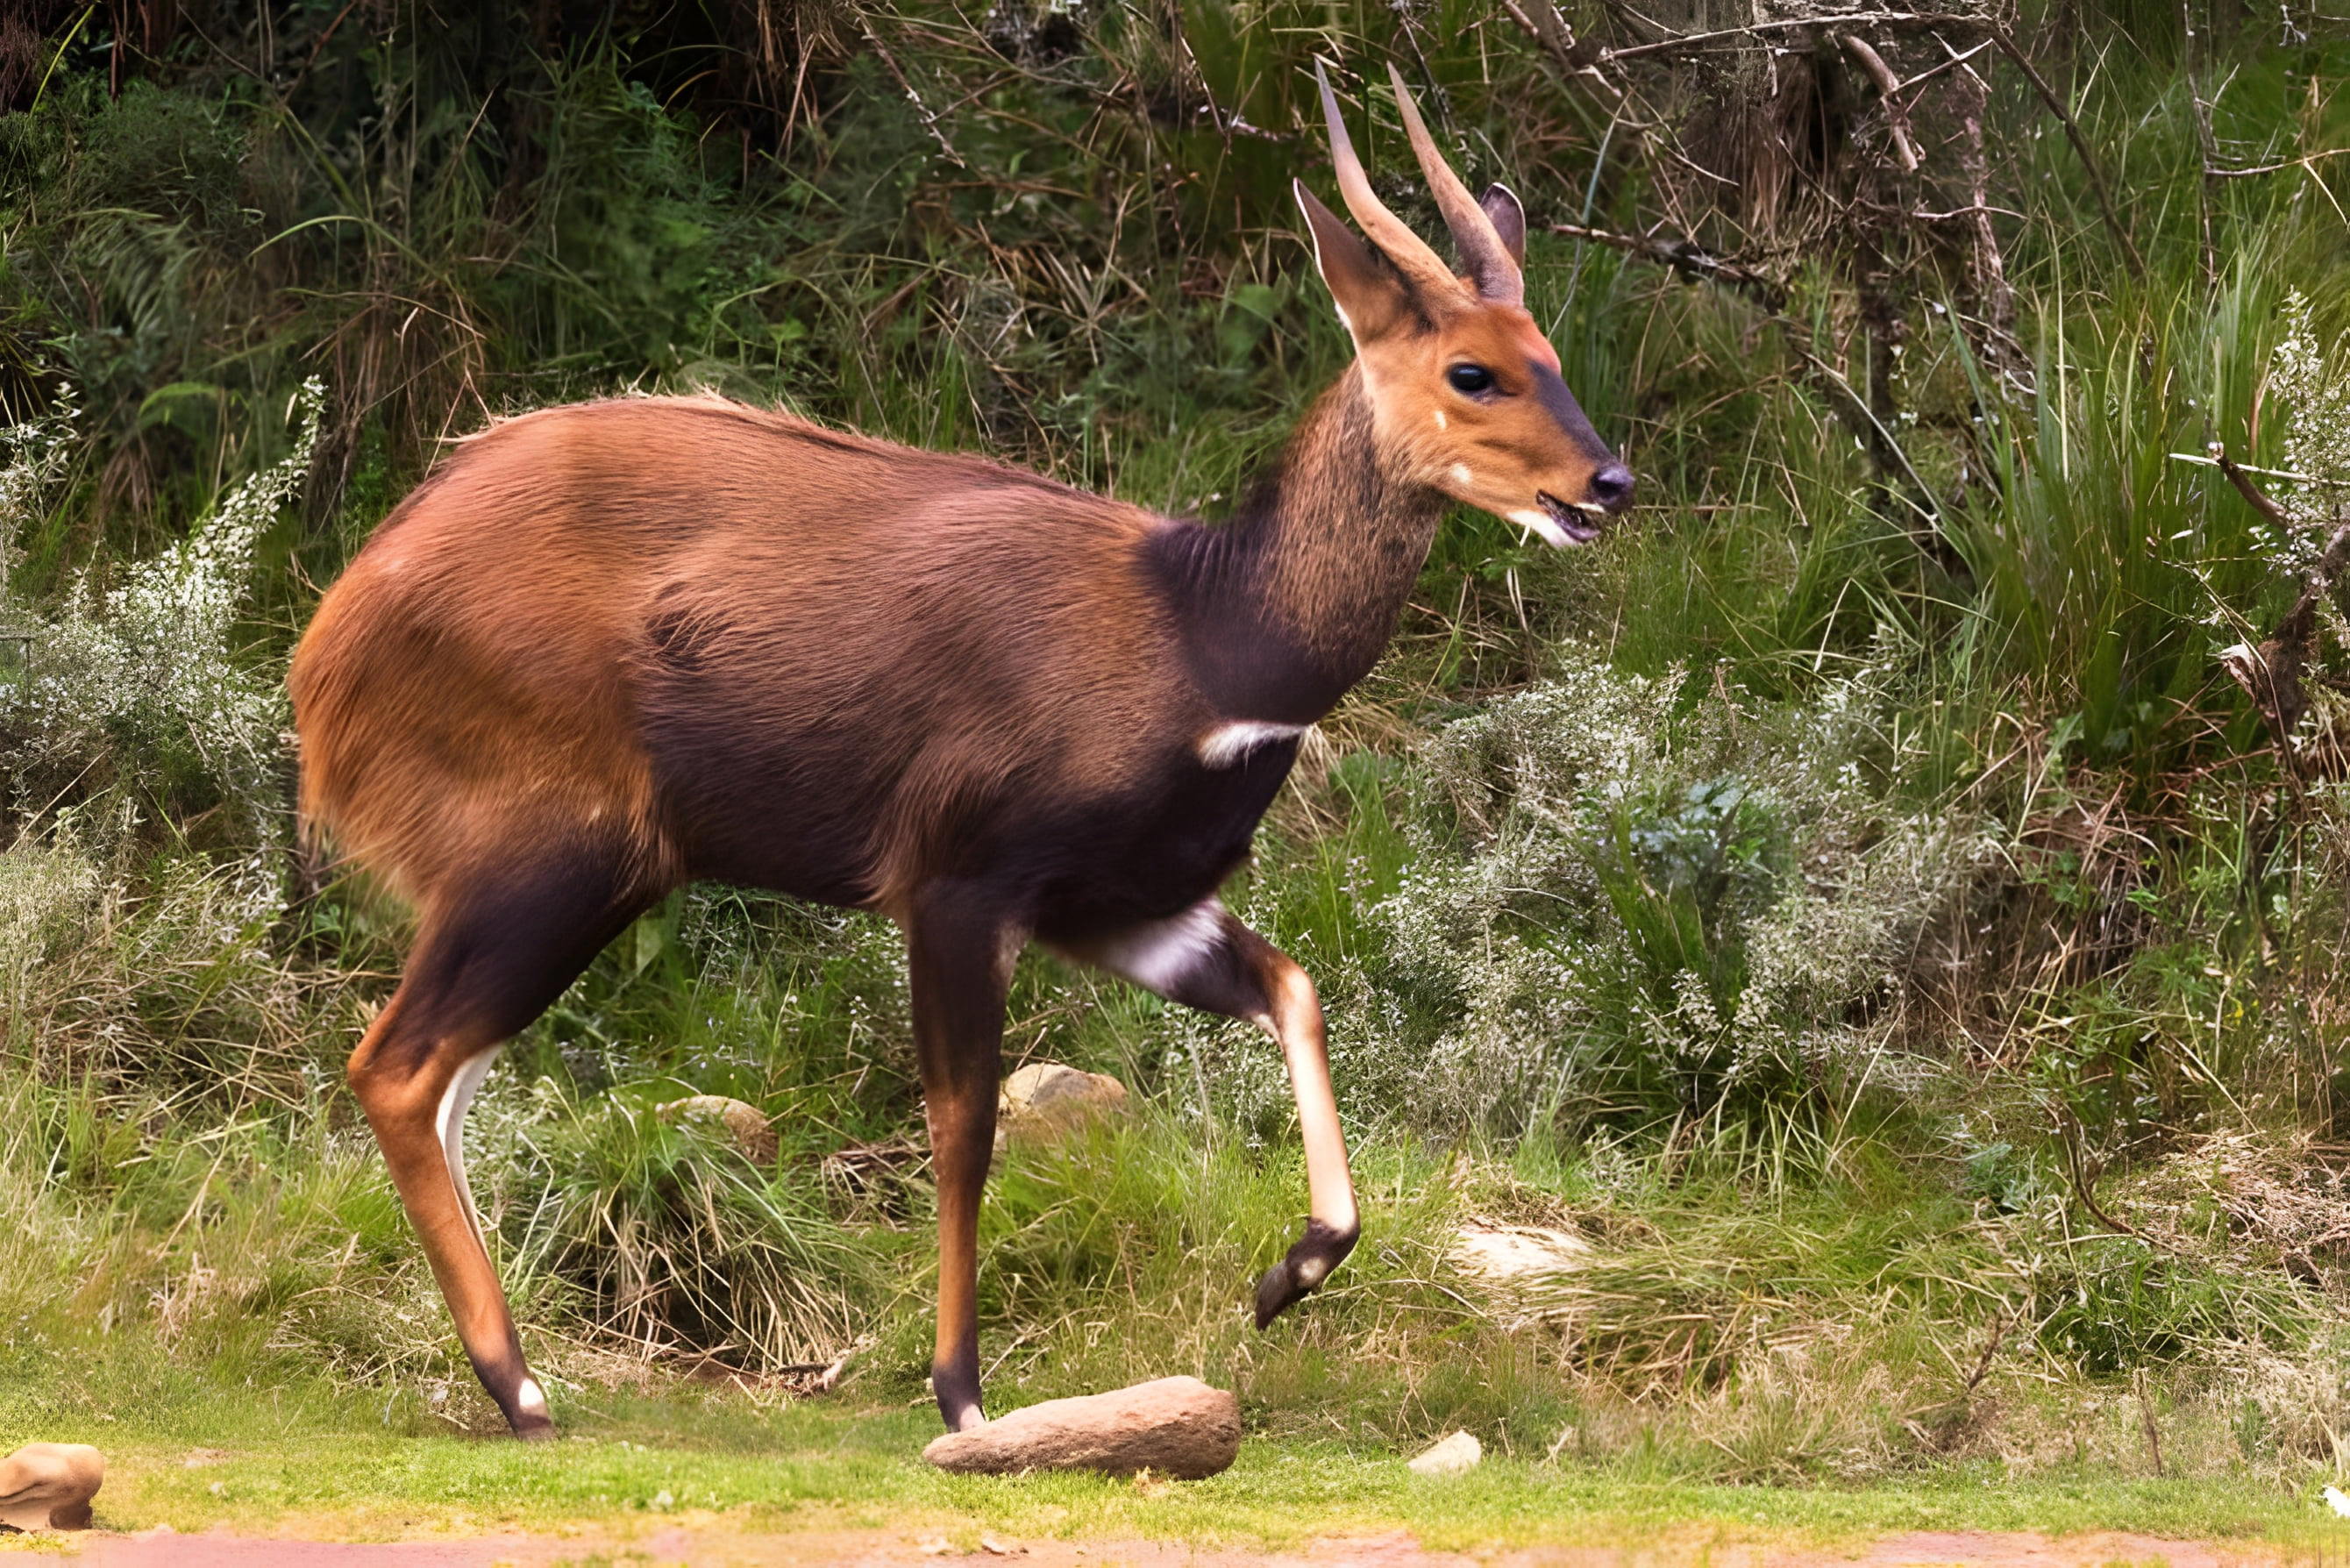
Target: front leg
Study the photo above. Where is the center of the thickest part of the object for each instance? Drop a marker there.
(1204, 958)
(959, 953)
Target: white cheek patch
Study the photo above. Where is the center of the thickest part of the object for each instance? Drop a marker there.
(1228, 744)
(1543, 524)
(1441, 421)
(1461, 475)
(1157, 956)
(455, 1100)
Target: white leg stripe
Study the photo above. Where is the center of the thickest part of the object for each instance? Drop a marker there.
(455, 1100)
(530, 1399)
(1159, 955)
(1229, 743)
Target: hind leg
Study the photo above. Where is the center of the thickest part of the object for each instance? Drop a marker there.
(960, 947)
(490, 959)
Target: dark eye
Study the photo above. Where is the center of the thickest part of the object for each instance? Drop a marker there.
(1470, 379)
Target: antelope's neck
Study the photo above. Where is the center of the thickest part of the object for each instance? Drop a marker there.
(1290, 603)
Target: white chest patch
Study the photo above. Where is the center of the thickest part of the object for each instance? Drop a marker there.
(1159, 955)
(1228, 742)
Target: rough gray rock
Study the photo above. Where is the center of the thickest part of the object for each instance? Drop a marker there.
(1458, 1452)
(1046, 1098)
(739, 1122)
(47, 1486)
(1176, 1426)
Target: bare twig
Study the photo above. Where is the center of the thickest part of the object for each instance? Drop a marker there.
(2274, 167)
(1541, 21)
(1854, 19)
(2269, 671)
(2056, 106)
(2260, 499)
(929, 121)
(1689, 259)
(1887, 90)
(2084, 1181)
(1999, 1328)
(2146, 1420)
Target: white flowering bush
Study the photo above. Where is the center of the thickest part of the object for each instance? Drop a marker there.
(2314, 390)
(143, 681)
(1623, 897)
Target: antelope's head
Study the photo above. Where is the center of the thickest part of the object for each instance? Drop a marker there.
(1464, 388)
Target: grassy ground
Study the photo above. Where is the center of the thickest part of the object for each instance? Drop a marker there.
(299, 1468)
(1856, 902)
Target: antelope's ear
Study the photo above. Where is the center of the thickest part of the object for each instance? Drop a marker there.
(1509, 219)
(1372, 300)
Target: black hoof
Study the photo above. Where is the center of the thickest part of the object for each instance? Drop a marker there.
(1322, 1249)
(957, 1391)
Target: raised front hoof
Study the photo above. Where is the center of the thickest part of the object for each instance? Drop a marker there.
(1322, 1249)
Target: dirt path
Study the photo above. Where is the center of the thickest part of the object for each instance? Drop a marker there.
(887, 1549)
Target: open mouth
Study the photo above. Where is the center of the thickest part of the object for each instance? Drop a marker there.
(1580, 525)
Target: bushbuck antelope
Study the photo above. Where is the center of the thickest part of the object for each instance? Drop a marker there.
(607, 649)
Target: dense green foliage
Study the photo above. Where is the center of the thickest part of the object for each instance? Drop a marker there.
(1855, 901)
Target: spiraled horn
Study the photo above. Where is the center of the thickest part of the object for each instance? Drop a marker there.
(1497, 276)
(1412, 256)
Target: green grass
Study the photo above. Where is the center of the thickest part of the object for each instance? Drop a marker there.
(260, 1467)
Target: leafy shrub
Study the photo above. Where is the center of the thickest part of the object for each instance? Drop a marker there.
(1634, 895)
(142, 685)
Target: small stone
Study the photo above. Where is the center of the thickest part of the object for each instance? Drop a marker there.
(744, 1125)
(1176, 1426)
(1461, 1452)
(47, 1486)
(1046, 1099)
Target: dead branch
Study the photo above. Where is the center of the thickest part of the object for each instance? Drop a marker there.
(1887, 87)
(929, 121)
(2000, 1325)
(2270, 671)
(1690, 259)
(2056, 106)
(1541, 21)
(2084, 1181)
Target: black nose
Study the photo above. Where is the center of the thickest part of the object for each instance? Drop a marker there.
(1611, 487)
